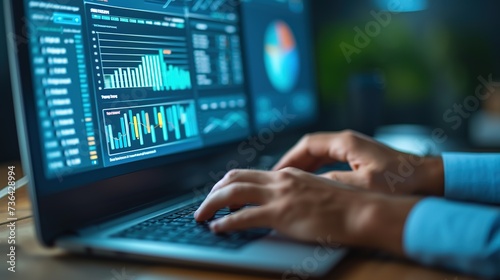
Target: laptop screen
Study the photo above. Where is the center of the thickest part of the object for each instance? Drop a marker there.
(117, 82)
(279, 56)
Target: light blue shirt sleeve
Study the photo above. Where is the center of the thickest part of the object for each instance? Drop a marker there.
(472, 177)
(457, 235)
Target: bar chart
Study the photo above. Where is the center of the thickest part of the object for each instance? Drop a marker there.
(135, 128)
(131, 61)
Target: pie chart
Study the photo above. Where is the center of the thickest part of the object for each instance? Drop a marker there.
(281, 57)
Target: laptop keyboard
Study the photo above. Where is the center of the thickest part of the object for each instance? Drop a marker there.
(180, 227)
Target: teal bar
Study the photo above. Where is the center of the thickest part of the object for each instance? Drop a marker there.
(124, 132)
(187, 129)
(148, 72)
(151, 70)
(120, 71)
(129, 78)
(164, 73)
(153, 133)
(110, 137)
(176, 123)
(127, 131)
(137, 78)
(120, 140)
(158, 71)
(145, 72)
(117, 144)
(194, 119)
(141, 76)
(155, 110)
(165, 123)
(145, 128)
(134, 82)
(170, 118)
(117, 77)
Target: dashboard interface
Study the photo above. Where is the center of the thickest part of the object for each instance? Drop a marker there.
(122, 81)
(278, 40)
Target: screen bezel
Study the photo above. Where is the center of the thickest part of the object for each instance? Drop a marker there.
(62, 212)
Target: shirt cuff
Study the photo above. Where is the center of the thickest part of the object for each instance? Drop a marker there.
(454, 235)
(472, 177)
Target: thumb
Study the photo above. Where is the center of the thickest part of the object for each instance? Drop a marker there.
(346, 177)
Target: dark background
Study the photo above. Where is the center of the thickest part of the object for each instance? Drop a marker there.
(426, 61)
(8, 140)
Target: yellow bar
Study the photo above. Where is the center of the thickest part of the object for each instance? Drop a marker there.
(93, 157)
(92, 143)
(160, 119)
(91, 138)
(93, 153)
(136, 126)
(148, 126)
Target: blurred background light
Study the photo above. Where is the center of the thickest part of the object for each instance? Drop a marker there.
(402, 5)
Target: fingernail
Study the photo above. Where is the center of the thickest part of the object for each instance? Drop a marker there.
(196, 213)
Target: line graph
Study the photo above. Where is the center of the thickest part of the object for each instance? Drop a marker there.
(196, 5)
(237, 119)
(204, 5)
(160, 63)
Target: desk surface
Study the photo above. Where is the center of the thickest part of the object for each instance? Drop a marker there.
(36, 262)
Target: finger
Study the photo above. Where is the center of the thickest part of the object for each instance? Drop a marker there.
(346, 177)
(236, 207)
(253, 217)
(237, 193)
(319, 149)
(241, 176)
(310, 153)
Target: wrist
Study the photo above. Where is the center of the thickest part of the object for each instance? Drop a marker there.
(429, 178)
(379, 222)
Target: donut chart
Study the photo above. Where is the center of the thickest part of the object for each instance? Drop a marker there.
(281, 56)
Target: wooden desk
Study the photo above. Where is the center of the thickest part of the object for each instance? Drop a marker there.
(36, 262)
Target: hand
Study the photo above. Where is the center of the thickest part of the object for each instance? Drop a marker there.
(306, 207)
(375, 166)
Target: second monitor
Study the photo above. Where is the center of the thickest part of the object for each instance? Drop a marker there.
(279, 58)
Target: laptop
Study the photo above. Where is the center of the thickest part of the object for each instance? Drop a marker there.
(125, 111)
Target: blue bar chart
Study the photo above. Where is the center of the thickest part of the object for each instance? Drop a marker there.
(153, 72)
(131, 61)
(135, 128)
